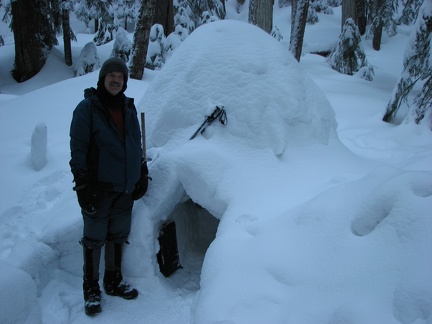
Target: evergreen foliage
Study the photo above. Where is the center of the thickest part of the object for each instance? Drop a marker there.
(85, 11)
(321, 6)
(190, 14)
(409, 12)
(334, 3)
(423, 102)
(348, 57)
(276, 33)
(174, 40)
(184, 17)
(417, 66)
(107, 23)
(207, 17)
(383, 18)
(312, 16)
(88, 60)
(155, 55)
(122, 45)
(284, 3)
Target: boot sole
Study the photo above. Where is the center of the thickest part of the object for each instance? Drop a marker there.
(93, 311)
(122, 296)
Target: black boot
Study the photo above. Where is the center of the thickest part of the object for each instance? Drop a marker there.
(115, 286)
(91, 290)
(113, 279)
(92, 297)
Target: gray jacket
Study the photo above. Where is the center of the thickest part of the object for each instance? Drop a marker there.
(112, 162)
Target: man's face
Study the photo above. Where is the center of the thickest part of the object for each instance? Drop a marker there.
(114, 82)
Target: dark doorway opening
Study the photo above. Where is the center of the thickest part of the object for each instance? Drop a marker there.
(196, 229)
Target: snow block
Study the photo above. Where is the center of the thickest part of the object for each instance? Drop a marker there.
(39, 142)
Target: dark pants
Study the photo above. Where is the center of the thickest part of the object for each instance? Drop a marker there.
(111, 222)
(109, 226)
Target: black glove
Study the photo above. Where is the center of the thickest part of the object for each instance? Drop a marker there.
(142, 184)
(85, 194)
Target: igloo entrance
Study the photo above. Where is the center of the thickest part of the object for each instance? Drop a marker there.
(196, 229)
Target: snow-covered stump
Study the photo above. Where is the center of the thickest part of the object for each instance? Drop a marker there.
(39, 142)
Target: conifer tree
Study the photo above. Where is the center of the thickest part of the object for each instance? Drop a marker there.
(315, 7)
(334, 3)
(155, 55)
(107, 23)
(122, 47)
(382, 19)
(417, 66)
(276, 34)
(189, 13)
(348, 56)
(409, 11)
(312, 16)
(423, 102)
(85, 11)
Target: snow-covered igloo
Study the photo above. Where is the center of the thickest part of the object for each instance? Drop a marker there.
(271, 106)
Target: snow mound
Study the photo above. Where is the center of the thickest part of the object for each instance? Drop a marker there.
(18, 295)
(270, 102)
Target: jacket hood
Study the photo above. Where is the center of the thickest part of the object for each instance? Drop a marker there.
(90, 92)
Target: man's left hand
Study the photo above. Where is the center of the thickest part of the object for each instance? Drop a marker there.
(142, 184)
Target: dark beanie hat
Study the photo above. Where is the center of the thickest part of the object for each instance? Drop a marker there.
(114, 64)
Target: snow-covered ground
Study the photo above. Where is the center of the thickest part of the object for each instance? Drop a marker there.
(304, 208)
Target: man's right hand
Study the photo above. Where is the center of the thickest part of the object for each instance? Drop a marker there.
(85, 194)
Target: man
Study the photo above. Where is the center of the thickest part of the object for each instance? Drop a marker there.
(109, 174)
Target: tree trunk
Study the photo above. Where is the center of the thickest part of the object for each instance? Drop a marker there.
(261, 14)
(67, 37)
(376, 41)
(299, 10)
(141, 38)
(349, 10)
(29, 46)
(361, 16)
(164, 16)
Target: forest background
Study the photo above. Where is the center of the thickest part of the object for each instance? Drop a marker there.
(159, 27)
